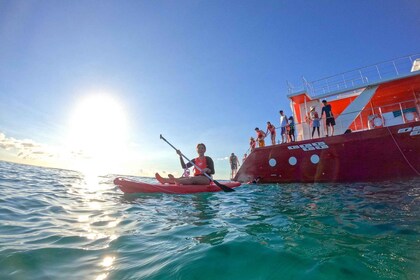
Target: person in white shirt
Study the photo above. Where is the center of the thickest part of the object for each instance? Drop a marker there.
(283, 124)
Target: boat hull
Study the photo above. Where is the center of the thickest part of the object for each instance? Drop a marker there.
(373, 155)
(129, 186)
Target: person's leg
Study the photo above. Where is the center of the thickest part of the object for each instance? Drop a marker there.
(313, 131)
(196, 180)
(319, 134)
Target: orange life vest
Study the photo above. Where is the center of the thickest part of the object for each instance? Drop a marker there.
(200, 162)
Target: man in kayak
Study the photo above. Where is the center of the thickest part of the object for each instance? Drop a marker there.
(205, 163)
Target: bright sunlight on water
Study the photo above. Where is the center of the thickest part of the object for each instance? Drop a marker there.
(58, 224)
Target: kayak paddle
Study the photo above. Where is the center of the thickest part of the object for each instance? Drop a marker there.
(223, 187)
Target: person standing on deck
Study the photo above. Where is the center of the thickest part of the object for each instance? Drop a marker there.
(252, 143)
(272, 130)
(291, 129)
(283, 124)
(314, 118)
(234, 163)
(329, 121)
(260, 137)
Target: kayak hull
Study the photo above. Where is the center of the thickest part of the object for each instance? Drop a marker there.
(129, 186)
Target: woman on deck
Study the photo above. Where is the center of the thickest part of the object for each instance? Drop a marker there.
(314, 118)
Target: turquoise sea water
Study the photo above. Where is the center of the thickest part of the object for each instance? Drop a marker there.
(58, 224)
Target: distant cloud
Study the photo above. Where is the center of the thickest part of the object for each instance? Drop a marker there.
(24, 149)
(30, 150)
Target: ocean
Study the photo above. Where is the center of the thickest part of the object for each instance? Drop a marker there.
(60, 224)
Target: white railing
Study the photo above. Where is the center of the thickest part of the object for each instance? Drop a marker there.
(358, 77)
(392, 114)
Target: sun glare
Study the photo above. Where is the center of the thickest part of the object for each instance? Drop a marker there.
(99, 129)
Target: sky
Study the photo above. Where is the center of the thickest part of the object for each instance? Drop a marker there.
(91, 85)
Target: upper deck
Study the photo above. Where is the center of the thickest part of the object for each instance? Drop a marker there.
(388, 90)
(358, 78)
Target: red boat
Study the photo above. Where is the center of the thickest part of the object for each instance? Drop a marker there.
(379, 105)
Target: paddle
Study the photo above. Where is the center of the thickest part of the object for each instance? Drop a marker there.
(223, 187)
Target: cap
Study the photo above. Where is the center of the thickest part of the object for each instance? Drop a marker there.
(324, 101)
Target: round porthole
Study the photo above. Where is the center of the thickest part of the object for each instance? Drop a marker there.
(292, 161)
(272, 162)
(314, 159)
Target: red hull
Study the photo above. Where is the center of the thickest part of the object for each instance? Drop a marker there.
(128, 186)
(372, 155)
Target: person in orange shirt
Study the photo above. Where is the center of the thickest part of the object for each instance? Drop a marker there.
(272, 130)
(260, 137)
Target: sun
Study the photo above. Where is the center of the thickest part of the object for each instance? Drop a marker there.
(98, 128)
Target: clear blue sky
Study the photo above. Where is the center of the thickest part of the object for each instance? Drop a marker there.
(194, 71)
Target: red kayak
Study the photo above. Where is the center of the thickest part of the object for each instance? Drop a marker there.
(128, 186)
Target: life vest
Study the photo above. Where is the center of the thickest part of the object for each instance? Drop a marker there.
(201, 163)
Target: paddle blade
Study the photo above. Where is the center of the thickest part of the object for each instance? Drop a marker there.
(223, 187)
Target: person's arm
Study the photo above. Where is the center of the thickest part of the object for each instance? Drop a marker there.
(183, 165)
(210, 165)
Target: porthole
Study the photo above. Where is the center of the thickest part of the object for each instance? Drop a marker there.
(292, 161)
(314, 159)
